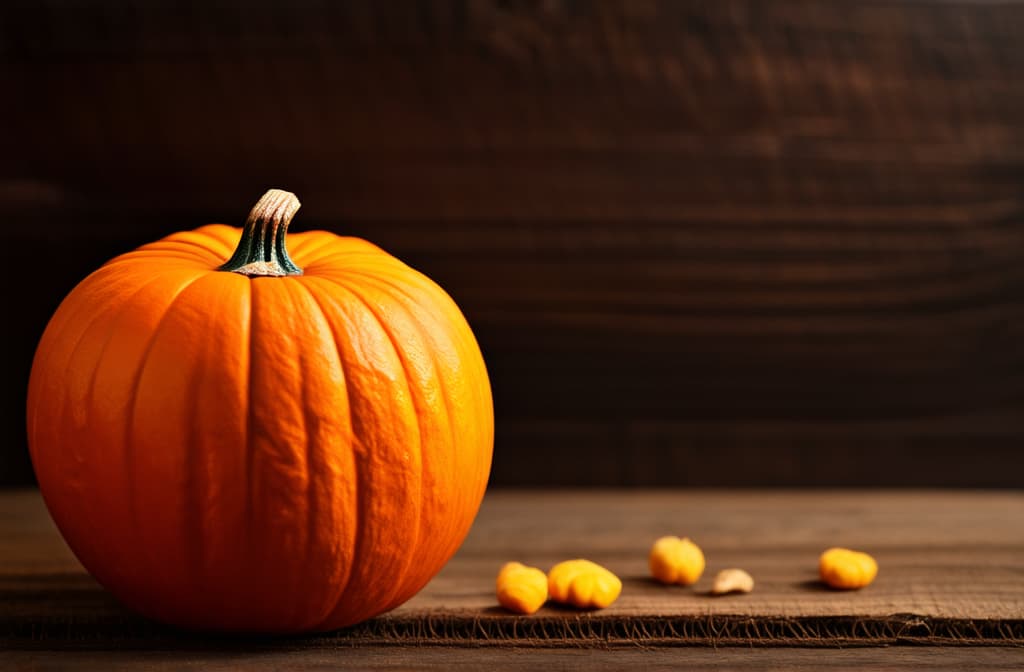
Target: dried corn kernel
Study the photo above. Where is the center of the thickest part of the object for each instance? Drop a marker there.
(675, 560)
(521, 589)
(843, 568)
(732, 581)
(584, 584)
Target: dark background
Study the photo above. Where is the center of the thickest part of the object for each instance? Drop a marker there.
(723, 243)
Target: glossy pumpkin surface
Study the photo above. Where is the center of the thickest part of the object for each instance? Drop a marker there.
(265, 454)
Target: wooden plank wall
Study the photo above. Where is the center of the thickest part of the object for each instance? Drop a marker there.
(701, 243)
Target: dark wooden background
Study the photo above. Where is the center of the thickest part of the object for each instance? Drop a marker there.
(731, 242)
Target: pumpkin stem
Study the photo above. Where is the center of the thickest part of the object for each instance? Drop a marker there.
(262, 251)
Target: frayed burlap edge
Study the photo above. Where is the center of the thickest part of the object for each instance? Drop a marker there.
(570, 630)
(717, 630)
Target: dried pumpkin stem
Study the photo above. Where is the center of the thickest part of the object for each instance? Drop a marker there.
(262, 250)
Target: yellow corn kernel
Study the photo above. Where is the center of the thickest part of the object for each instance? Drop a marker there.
(846, 569)
(584, 584)
(521, 589)
(675, 560)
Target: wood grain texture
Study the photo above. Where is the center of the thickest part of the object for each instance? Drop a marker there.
(528, 660)
(950, 567)
(785, 237)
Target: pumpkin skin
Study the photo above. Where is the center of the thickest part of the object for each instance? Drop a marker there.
(260, 454)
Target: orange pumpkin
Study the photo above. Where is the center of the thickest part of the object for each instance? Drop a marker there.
(249, 446)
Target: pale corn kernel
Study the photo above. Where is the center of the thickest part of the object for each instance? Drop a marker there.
(583, 584)
(521, 589)
(732, 581)
(846, 569)
(675, 560)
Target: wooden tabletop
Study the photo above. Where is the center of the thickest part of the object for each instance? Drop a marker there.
(951, 570)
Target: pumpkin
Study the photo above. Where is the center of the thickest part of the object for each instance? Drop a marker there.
(289, 440)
